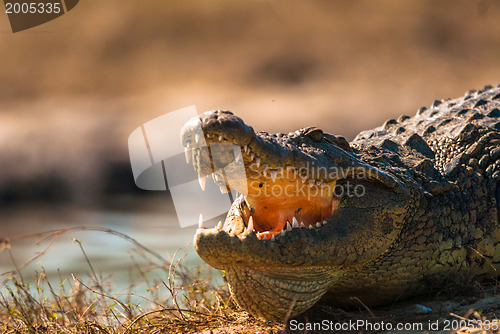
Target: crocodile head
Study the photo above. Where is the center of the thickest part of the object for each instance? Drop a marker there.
(309, 207)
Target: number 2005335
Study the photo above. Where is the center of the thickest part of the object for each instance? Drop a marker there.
(33, 8)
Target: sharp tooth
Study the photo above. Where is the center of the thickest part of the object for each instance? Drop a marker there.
(237, 153)
(311, 227)
(219, 226)
(250, 224)
(202, 180)
(302, 225)
(197, 155)
(264, 237)
(257, 162)
(200, 222)
(318, 224)
(324, 222)
(274, 174)
(288, 226)
(295, 223)
(252, 156)
(220, 137)
(197, 138)
(245, 148)
(187, 153)
(283, 232)
(273, 238)
(208, 135)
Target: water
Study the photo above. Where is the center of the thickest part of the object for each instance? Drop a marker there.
(80, 252)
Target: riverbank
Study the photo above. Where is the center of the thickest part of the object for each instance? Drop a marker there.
(180, 298)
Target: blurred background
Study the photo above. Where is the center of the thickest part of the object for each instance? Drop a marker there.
(72, 90)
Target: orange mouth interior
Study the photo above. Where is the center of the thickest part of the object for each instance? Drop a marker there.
(273, 203)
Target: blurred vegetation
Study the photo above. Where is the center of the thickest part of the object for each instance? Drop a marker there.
(72, 90)
(120, 47)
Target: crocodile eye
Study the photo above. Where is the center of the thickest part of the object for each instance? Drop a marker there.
(315, 134)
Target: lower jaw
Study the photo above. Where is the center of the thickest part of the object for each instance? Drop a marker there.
(277, 294)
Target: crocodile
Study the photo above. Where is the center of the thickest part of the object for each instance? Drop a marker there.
(400, 210)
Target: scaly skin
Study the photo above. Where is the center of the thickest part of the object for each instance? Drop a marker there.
(426, 207)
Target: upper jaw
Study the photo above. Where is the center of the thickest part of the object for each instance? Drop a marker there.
(264, 153)
(271, 151)
(271, 161)
(220, 124)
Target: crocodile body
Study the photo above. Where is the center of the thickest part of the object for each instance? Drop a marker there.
(401, 208)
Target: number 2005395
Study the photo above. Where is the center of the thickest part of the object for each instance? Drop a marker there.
(33, 8)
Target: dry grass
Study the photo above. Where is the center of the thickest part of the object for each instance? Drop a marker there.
(187, 301)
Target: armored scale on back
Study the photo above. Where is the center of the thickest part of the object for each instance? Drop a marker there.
(424, 205)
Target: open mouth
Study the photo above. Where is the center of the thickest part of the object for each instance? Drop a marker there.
(281, 199)
(274, 199)
(299, 190)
